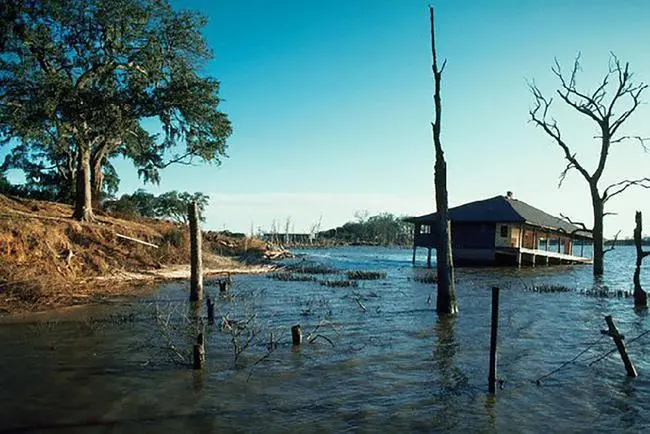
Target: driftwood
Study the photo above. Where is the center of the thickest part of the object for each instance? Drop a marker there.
(620, 345)
(275, 255)
(135, 240)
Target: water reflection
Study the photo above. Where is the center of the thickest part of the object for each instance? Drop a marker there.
(451, 378)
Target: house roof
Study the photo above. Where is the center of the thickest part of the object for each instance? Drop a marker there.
(503, 209)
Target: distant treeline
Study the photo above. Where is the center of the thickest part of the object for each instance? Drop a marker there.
(627, 242)
(383, 229)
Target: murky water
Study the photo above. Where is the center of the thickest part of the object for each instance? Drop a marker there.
(392, 367)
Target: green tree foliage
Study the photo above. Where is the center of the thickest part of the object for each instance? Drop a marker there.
(382, 229)
(77, 79)
(171, 205)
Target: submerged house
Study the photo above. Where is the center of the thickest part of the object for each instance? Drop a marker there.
(504, 231)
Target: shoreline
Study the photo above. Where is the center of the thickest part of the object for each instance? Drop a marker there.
(117, 286)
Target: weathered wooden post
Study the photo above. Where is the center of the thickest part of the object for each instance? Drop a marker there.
(199, 352)
(446, 300)
(196, 280)
(492, 376)
(210, 311)
(296, 335)
(429, 257)
(640, 296)
(620, 345)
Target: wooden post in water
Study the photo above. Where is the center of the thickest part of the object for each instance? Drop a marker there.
(429, 257)
(640, 296)
(196, 280)
(210, 311)
(492, 376)
(414, 247)
(199, 352)
(296, 335)
(618, 340)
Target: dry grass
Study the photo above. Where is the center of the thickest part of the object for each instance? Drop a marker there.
(47, 259)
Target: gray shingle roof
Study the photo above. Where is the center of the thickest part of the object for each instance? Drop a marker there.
(502, 209)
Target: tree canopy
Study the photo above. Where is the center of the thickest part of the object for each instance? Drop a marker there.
(78, 79)
(171, 205)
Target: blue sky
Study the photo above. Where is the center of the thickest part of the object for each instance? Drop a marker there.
(331, 104)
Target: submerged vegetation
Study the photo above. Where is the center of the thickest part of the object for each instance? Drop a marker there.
(339, 283)
(286, 276)
(365, 275)
(428, 276)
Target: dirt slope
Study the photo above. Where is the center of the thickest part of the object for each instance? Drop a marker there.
(48, 260)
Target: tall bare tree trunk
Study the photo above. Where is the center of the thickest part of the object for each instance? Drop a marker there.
(597, 233)
(640, 296)
(83, 209)
(446, 299)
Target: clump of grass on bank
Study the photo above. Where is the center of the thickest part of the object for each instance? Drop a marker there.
(365, 275)
(311, 269)
(285, 276)
(429, 276)
(339, 283)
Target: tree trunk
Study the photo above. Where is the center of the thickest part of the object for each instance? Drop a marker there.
(446, 299)
(97, 181)
(597, 233)
(640, 296)
(83, 209)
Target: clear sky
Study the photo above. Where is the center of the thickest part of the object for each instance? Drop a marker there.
(331, 104)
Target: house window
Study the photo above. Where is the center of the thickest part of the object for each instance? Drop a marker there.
(426, 229)
(504, 231)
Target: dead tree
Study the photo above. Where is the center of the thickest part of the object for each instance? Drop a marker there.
(609, 114)
(640, 296)
(446, 300)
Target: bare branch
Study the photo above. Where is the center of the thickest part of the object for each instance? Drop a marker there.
(641, 140)
(613, 246)
(620, 187)
(581, 225)
(538, 115)
(587, 105)
(564, 172)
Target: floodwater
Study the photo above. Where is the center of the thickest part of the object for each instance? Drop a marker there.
(394, 366)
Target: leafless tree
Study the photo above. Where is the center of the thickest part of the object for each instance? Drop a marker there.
(612, 103)
(446, 300)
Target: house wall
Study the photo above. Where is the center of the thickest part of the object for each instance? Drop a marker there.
(463, 236)
(472, 235)
(510, 238)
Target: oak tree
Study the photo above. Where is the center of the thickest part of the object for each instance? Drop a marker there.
(80, 79)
